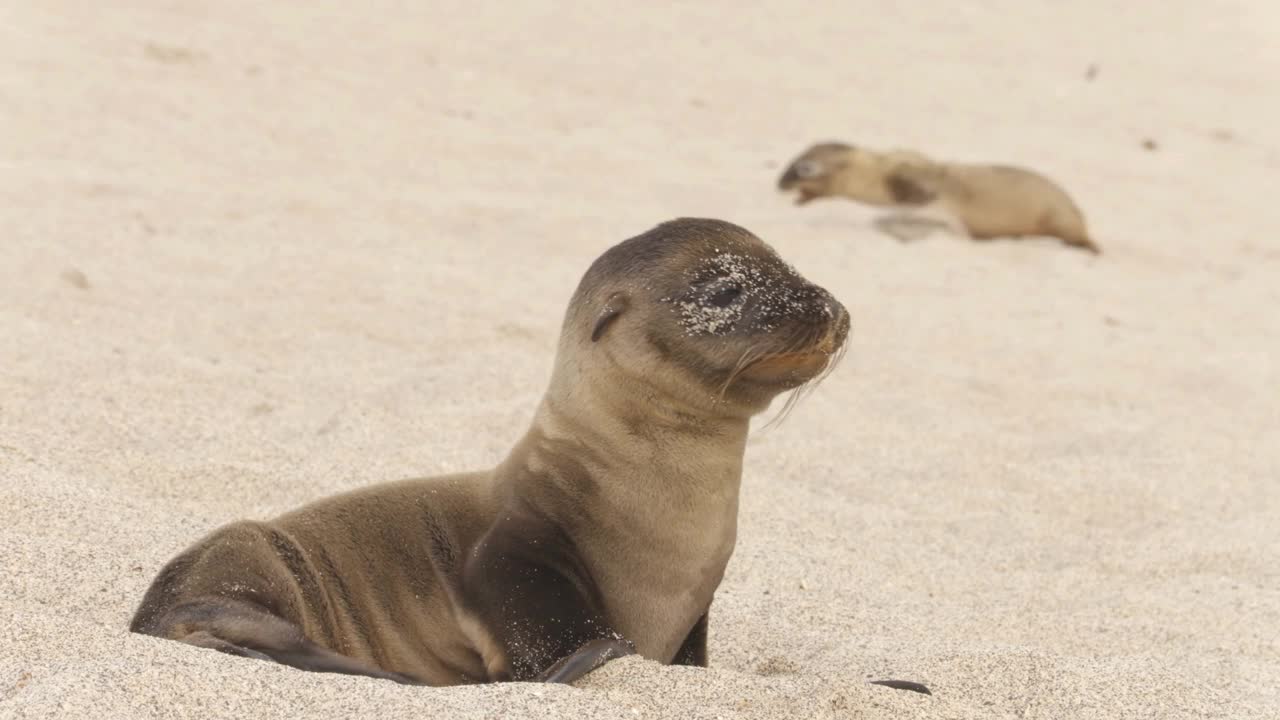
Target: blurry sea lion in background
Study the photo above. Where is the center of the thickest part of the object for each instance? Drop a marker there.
(975, 201)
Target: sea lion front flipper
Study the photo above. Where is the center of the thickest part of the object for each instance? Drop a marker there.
(540, 608)
(909, 186)
(585, 659)
(694, 649)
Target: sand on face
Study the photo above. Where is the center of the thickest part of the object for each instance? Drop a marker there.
(255, 253)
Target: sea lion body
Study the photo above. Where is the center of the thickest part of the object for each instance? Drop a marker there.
(606, 529)
(974, 200)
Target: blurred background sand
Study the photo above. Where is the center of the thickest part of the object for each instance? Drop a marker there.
(254, 253)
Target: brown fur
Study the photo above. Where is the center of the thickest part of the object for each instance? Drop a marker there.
(606, 529)
(980, 201)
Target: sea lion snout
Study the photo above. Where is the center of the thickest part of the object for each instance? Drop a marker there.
(818, 327)
(823, 309)
(807, 307)
(828, 318)
(798, 171)
(837, 329)
(789, 177)
(834, 322)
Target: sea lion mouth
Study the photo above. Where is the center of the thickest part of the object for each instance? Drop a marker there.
(792, 183)
(800, 364)
(787, 366)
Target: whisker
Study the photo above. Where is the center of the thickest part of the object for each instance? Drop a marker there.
(803, 339)
(793, 398)
(832, 363)
(748, 356)
(802, 392)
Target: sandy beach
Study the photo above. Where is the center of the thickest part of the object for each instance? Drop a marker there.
(253, 254)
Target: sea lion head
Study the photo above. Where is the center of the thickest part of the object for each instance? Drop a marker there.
(896, 177)
(705, 314)
(812, 174)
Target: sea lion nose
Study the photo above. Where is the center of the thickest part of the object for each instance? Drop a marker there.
(836, 317)
(819, 304)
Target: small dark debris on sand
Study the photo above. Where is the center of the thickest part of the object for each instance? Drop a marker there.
(75, 278)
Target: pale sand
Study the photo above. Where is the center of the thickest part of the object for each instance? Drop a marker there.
(325, 244)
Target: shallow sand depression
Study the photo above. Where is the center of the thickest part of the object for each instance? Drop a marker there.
(252, 254)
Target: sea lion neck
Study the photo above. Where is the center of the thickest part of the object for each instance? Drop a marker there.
(639, 413)
(619, 430)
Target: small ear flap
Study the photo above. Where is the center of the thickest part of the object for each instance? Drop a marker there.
(906, 189)
(613, 307)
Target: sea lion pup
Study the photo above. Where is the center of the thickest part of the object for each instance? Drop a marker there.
(974, 201)
(605, 531)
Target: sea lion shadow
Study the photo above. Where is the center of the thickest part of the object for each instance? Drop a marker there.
(910, 227)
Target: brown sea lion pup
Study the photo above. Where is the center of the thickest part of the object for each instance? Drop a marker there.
(604, 532)
(975, 201)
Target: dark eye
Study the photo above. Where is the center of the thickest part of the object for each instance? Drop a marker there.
(724, 296)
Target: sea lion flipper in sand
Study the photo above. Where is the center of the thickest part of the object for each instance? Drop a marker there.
(693, 651)
(981, 202)
(554, 623)
(604, 532)
(584, 660)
